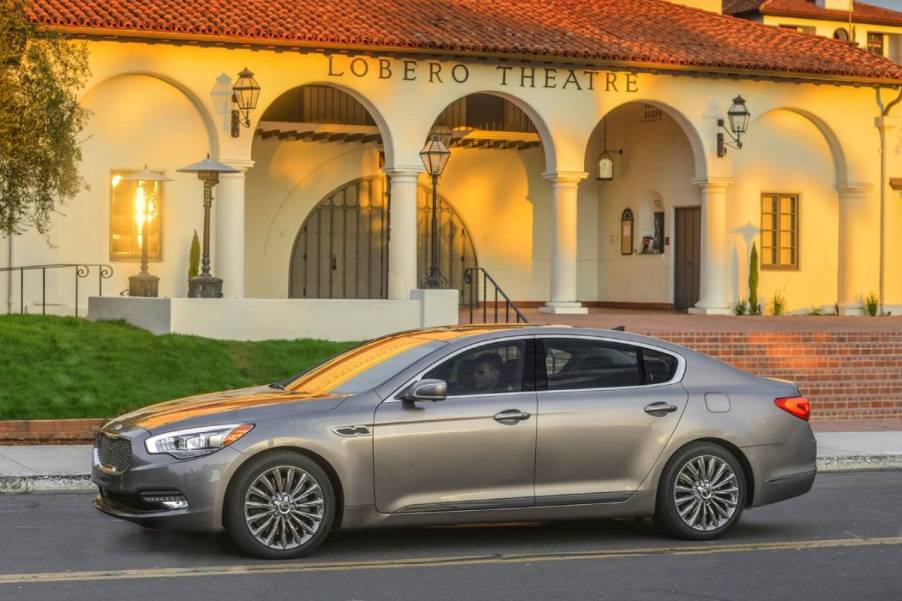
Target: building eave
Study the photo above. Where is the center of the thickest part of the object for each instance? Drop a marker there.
(175, 38)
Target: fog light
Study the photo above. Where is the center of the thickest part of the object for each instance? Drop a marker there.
(166, 501)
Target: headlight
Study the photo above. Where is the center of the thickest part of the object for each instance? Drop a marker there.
(195, 442)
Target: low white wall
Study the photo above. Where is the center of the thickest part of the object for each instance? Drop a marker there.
(283, 319)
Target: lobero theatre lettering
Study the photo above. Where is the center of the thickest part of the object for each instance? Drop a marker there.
(514, 76)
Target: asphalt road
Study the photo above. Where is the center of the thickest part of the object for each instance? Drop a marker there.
(842, 541)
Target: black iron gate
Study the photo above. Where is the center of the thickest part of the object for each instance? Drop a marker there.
(341, 250)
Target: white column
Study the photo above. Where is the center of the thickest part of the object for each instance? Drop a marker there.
(564, 219)
(713, 277)
(228, 209)
(858, 247)
(402, 236)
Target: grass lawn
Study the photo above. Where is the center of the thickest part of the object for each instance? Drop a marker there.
(63, 367)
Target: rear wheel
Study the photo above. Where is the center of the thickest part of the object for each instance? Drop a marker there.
(278, 506)
(701, 493)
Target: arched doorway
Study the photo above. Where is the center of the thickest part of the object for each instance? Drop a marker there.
(341, 250)
(651, 260)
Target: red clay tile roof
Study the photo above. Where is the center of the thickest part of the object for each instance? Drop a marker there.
(861, 13)
(649, 33)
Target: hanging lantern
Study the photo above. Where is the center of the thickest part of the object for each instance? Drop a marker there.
(605, 167)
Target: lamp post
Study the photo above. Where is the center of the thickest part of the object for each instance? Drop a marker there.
(435, 155)
(739, 123)
(146, 208)
(206, 285)
(245, 93)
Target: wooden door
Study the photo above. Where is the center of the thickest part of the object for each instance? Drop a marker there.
(687, 260)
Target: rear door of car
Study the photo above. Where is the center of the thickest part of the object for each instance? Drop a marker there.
(473, 450)
(606, 411)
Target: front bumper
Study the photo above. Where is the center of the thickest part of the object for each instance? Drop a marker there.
(202, 481)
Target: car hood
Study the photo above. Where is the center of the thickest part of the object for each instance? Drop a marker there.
(169, 412)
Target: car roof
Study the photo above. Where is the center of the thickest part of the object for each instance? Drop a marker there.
(466, 334)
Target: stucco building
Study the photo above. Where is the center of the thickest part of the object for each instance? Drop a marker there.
(330, 199)
(875, 28)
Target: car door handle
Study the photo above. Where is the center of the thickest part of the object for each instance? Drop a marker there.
(658, 409)
(510, 416)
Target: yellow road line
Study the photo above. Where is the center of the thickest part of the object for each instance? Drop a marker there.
(463, 560)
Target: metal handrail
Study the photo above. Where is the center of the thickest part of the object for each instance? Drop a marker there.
(81, 271)
(471, 275)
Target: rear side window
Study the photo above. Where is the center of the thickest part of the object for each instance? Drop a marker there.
(659, 367)
(576, 363)
(573, 363)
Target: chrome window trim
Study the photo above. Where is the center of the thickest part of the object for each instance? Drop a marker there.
(677, 375)
(393, 397)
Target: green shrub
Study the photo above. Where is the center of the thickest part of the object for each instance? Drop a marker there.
(194, 257)
(778, 303)
(871, 304)
(740, 308)
(754, 307)
(815, 311)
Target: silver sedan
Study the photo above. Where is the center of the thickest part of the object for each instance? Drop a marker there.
(464, 424)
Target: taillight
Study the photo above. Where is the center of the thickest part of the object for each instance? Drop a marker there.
(797, 405)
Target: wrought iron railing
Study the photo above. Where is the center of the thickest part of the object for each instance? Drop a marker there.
(80, 271)
(477, 279)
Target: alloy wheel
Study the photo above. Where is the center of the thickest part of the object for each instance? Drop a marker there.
(706, 493)
(284, 507)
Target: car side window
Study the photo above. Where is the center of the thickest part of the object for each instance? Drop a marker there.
(659, 367)
(487, 369)
(574, 363)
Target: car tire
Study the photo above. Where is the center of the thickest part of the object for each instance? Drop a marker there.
(701, 493)
(279, 505)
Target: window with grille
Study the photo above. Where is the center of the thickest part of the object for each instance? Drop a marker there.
(651, 113)
(129, 205)
(875, 43)
(779, 231)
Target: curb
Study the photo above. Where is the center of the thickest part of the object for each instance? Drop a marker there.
(37, 483)
(857, 463)
(46, 483)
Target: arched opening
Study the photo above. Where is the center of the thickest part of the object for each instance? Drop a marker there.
(310, 142)
(785, 202)
(493, 180)
(656, 154)
(160, 124)
(341, 250)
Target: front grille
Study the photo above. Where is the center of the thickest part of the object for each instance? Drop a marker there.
(114, 452)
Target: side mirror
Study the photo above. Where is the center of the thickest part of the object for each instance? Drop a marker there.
(427, 390)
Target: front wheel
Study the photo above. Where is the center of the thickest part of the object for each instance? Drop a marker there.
(701, 493)
(279, 506)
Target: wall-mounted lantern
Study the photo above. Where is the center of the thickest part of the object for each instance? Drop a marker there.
(147, 194)
(245, 94)
(738, 116)
(604, 167)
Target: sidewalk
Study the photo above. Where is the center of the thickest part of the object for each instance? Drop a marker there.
(68, 468)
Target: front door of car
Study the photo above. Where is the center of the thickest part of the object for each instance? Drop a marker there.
(473, 450)
(606, 412)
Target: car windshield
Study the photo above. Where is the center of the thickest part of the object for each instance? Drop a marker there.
(365, 366)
